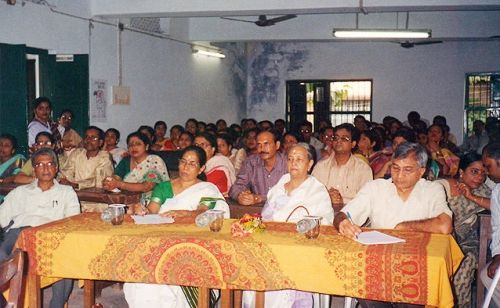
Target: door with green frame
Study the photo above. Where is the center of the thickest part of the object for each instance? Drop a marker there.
(26, 73)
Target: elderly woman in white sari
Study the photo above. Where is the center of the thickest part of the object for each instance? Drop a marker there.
(179, 197)
(296, 195)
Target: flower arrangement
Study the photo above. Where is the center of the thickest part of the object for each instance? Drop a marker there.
(247, 225)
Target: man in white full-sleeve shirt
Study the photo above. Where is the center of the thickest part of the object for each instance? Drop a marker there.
(491, 160)
(42, 201)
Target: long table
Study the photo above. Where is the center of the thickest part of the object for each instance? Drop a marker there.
(84, 247)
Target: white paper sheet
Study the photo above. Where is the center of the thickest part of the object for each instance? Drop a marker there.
(152, 219)
(376, 237)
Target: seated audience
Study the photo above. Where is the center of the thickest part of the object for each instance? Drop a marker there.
(172, 143)
(408, 202)
(476, 141)
(259, 172)
(296, 195)
(265, 125)
(360, 123)
(467, 195)
(221, 125)
(250, 141)
(179, 197)
(288, 141)
(441, 121)
(326, 136)
(42, 201)
(139, 171)
(491, 161)
(225, 148)
(413, 119)
(70, 138)
(201, 127)
(402, 135)
(88, 166)
(445, 159)
(191, 126)
(42, 140)
(306, 134)
(219, 169)
(10, 162)
(370, 147)
(280, 126)
(185, 139)
(149, 132)
(342, 173)
(160, 129)
(111, 139)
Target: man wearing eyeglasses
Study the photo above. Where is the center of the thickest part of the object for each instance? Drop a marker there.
(88, 166)
(342, 173)
(404, 202)
(40, 202)
(306, 133)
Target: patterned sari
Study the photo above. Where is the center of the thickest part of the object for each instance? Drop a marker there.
(466, 233)
(152, 169)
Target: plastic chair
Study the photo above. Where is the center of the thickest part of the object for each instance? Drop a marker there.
(11, 274)
(491, 290)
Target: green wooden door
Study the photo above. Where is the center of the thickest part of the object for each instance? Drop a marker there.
(13, 93)
(67, 85)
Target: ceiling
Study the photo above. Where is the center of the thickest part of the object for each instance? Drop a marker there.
(200, 20)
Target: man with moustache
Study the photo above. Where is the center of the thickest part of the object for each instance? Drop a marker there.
(260, 172)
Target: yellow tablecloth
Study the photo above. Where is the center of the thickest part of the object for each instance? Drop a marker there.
(84, 247)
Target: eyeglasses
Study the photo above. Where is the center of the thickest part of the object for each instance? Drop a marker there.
(50, 164)
(66, 117)
(405, 170)
(305, 131)
(91, 138)
(326, 137)
(475, 171)
(191, 164)
(43, 143)
(339, 138)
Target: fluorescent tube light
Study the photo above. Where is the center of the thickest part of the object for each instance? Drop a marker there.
(381, 33)
(210, 53)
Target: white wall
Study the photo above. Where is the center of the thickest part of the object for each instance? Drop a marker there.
(167, 81)
(428, 79)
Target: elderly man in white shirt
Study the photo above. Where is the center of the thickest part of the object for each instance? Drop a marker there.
(31, 205)
(405, 202)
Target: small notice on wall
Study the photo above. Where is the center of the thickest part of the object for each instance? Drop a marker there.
(99, 98)
(121, 95)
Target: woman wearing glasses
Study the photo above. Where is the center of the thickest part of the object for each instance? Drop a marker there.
(176, 198)
(42, 140)
(467, 196)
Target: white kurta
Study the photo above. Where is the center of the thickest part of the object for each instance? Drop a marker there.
(143, 295)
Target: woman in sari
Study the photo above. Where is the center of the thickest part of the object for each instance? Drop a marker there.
(219, 169)
(42, 122)
(225, 148)
(467, 196)
(296, 195)
(10, 162)
(179, 197)
(140, 171)
(369, 146)
(447, 162)
(111, 139)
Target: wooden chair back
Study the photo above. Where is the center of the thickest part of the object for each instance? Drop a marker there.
(484, 239)
(11, 276)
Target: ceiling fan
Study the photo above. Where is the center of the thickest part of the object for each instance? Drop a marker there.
(410, 44)
(263, 21)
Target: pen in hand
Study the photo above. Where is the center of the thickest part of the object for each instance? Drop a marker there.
(352, 223)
